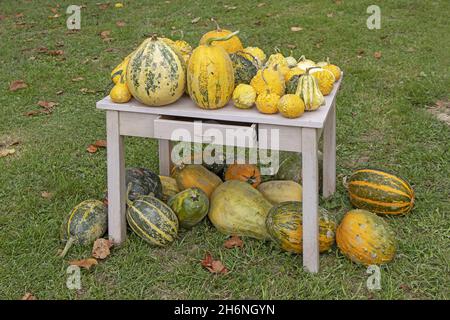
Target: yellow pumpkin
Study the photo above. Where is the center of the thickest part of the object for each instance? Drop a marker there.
(231, 45)
(291, 106)
(210, 75)
(257, 53)
(365, 238)
(268, 79)
(325, 80)
(267, 102)
(120, 93)
(331, 67)
(244, 96)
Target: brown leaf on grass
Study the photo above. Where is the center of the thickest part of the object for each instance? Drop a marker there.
(100, 143)
(291, 46)
(91, 149)
(101, 247)
(54, 16)
(262, 4)
(19, 15)
(338, 2)
(47, 104)
(17, 84)
(195, 20)
(54, 10)
(28, 296)
(111, 50)
(233, 241)
(105, 35)
(55, 52)
(77, 79)
(60, 92)
(121, 23)
(377, 54)
(46, 194)
(103, 6)
(6, 152)
(330, 15)
(86, 90)
(84, 263)
(296, 29)
(213, 266)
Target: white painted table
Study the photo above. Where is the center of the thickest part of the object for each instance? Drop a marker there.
(300, 135)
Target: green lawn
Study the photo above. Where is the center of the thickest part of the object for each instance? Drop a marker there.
(382, 122)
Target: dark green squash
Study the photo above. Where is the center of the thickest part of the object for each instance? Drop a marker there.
(86, 222)
(190, 206)
(152, 220)
(291, 84)
(143, 182)
(245, 67)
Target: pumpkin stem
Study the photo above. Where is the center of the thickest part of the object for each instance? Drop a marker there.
(302, 58)
(154, 37)
(68, 245)
(225, 38)
(307, 70)
(277, 50)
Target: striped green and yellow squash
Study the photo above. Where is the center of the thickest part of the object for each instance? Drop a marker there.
(380, 192)
(86, 222)
(210, 77)
(152, 220)
(284, 224)
(156, 73)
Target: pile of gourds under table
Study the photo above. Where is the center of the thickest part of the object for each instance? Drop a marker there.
(161, 70)
(239, 201)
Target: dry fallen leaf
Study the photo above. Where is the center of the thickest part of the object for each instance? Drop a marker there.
(84, 263)
(91, 149)
(213, 266)
(100, 143)
(101, 247)
(47, 104)
(330, 15)
(46, 194)
(291, 46)
(17, 84)
(259, 5)
(55, 52)
(377, 54)
(28, 296)
(6, 152)
(77, 79)
(19, 15)
(121, 23)
(295, 29)
(54, 10)
(86, 90)
(60, 92)
(195, 20)
(105, 34)
(233, 241)
(103, 6)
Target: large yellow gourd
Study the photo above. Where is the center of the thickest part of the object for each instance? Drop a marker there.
(210, 75)
(268, 80)
(325, 80)
(231, 45)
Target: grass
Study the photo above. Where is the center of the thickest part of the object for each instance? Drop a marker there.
(382, 122)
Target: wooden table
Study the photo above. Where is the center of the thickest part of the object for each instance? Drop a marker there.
(300, 135)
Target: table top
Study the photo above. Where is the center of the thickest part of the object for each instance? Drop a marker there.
(185, 107)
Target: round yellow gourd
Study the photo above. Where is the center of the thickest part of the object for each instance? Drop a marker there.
(120, 93)
(267, 102)
(277, 59)
(268, 79)
(257, 53)
(244, 96)
(231, 45)
(305, 64)
(293, 72)
(325, 80)
(291, 106)
(331, 67)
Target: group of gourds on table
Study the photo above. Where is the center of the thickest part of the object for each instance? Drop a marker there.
(239, 201)
(161, 70)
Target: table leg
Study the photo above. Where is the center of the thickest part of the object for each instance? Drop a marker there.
(117, 227)
(329, 154)
(310, 200)
(165, 163)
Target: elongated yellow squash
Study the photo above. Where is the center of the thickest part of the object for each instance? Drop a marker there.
(210, 76)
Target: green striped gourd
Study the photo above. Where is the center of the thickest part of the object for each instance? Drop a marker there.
(380, 192)
(308, 90)
(152, 220)
(245, 67)
(86, 222)
(190, 206)
(156, 73)
(285, 226)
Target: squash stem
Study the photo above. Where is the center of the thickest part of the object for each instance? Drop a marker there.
(68, 245)
(225, 38)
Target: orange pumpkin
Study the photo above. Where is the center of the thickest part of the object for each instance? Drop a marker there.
(195, 175)
(244, 172)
